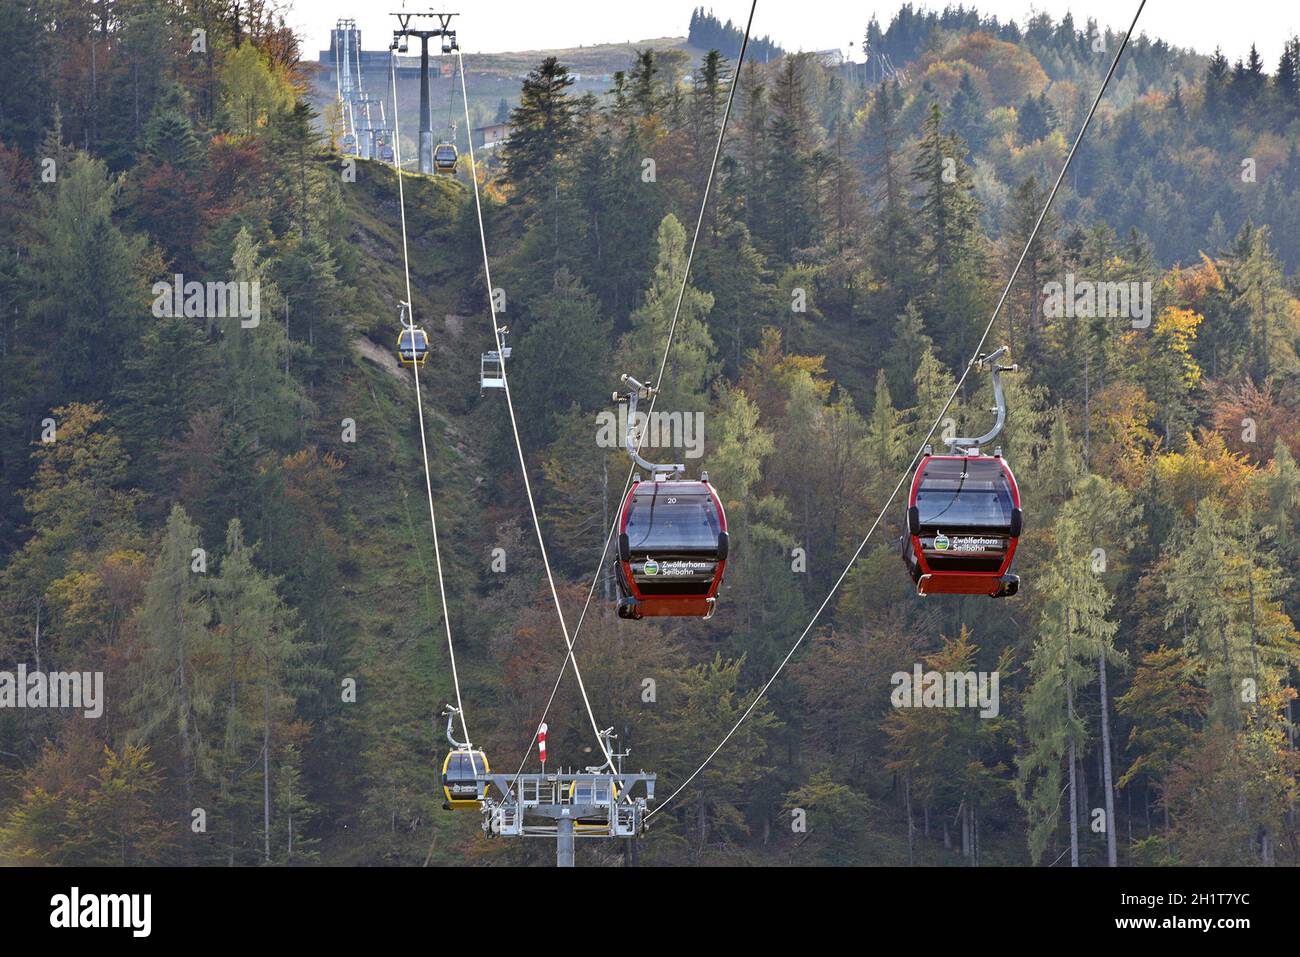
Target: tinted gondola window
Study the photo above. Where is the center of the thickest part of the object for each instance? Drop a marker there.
(964, 492)
(464, 767)
(663, 519)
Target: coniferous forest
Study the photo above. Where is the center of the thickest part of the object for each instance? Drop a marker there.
(224, 516)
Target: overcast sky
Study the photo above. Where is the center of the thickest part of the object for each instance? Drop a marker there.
(502, 25)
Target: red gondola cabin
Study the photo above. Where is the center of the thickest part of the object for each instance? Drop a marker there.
(963, 523)
(672, 549)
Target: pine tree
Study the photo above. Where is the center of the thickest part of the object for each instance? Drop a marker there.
(1223, 589)
(948, 213)
(1215, 85)
(947, 220)
(1177, 108)
(691, 363)
(968, 117)
(170, 139)
(933, 385)
(747, 182)
(645, 87)
(891, 256)
(1031, 122)
(564, 341)
(541, 132)
(731, 269)
(87, 280)
(788, 164)
(1286, 83)
(884, 444)
(1164, 705)
(708, 100)
(1059, 467)
(1026, 205)
(949, 758)
(307, 279)
(1256, 276)
(261, 397)
(297, 146)
(256, 633)
(1074, 629)
(161, 386)
(712, 700)
(1172, 369)
(583, 481)
(904, 354)
(172, 688)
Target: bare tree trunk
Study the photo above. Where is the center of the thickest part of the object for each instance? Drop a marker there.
(183, 706)
(1111, 858)
(1074, 791)
(231, 718)
(1087, 402)
(911, 828)
(266, 762)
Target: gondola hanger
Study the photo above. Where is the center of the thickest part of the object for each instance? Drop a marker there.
(412, 341)
(964, 516)
(492, 365)
(462, 770)
(658, 473)
(972, 446)
(672, 534)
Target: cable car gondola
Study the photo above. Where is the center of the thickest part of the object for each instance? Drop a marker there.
(412, 342)
(492, 366)
(444, 158)
(598, 793)
(672, 538)
(462, 769)
(460, 785)
(963, 515)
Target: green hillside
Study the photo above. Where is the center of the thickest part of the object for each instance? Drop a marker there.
(216, 500)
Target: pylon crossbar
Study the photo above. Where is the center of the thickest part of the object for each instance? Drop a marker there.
(566, 805)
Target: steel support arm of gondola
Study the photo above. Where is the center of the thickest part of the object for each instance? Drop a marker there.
(640, 391)
(999, 401)
(451, 712)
